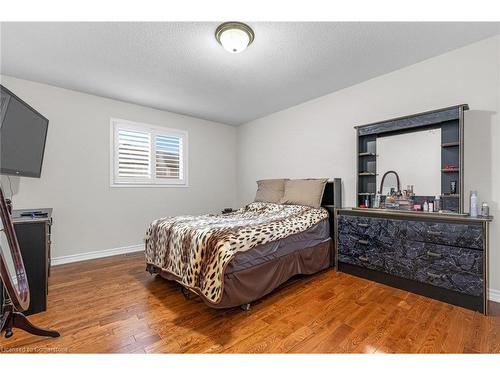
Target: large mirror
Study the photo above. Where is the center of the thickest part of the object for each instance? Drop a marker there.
(415, 156)
(12, 269)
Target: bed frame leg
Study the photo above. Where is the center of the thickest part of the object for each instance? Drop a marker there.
(245, 307)
(186, 293)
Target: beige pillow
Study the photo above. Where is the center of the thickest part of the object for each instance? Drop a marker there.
(270, 190)
(307, 192)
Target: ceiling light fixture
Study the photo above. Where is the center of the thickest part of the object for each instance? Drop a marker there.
(235, 37)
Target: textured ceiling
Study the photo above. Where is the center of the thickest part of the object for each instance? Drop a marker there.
(179, 67)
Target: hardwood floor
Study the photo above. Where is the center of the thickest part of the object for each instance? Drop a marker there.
(114, 305)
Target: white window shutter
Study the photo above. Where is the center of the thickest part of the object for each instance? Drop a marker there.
(134, 154)
(169, 153)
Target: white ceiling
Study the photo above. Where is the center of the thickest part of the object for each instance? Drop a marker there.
(179, 67)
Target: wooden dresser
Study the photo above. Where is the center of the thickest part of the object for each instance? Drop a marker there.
(437, 255)
(33, 235)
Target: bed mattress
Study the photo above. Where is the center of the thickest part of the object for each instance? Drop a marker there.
(276, 249)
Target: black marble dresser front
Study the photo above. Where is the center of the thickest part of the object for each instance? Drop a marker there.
(435, 255)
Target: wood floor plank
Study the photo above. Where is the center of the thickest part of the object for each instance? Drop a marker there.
(112, 305)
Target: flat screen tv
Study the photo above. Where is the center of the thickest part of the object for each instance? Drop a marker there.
(23, 132)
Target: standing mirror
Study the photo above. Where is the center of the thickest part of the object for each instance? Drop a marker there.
(15, 282)
(11, 263)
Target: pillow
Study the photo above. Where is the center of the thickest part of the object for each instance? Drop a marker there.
(270, 190)
(307, 192)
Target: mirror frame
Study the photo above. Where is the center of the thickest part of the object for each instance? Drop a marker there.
(20, 295)
(449, 118)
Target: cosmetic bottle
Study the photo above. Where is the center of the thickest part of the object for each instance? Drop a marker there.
(485, 210)
(473, 203)
(425, 207)
(431, 206)
(437, 203)
(453, 187)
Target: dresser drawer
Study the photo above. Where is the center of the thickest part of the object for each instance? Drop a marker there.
(359, 226)
(461, 235)
(383, 231)
(366, 253)
(448, 267)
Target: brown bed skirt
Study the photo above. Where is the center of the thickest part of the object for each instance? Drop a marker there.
(248, 285)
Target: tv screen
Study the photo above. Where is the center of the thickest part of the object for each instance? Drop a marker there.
(22, 137)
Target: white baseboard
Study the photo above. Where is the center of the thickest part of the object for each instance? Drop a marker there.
(96, 254)
(494, 295)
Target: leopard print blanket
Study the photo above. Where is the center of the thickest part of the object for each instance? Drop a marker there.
(197, 249)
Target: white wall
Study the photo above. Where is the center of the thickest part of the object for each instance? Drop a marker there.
(89, 215)
(317, 138)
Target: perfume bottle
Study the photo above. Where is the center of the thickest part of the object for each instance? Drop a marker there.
(437, 203)
(367, 201)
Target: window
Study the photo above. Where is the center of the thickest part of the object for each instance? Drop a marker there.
(143, 154)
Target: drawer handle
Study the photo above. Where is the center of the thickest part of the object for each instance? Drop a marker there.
(362, 225)
(434, 255)
(434, 233)
(363, 258)
(434, 275)
(363, 242)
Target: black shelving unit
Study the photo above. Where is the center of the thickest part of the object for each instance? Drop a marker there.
(451, 122)
(452, 162)
(367, 170)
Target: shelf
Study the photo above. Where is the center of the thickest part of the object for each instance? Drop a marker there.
(450, 170)
(367, 154)
(450, 144)
(366, 194)
(367, 174)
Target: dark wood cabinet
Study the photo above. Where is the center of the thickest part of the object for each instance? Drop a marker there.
(33, 235)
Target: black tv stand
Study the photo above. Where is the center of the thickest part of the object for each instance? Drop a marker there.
(33, 235)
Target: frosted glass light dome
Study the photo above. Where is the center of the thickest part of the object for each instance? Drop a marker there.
(235, 37)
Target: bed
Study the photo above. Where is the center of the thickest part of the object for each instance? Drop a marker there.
(235, 259)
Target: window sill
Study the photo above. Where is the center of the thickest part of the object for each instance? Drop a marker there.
(113, 185)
